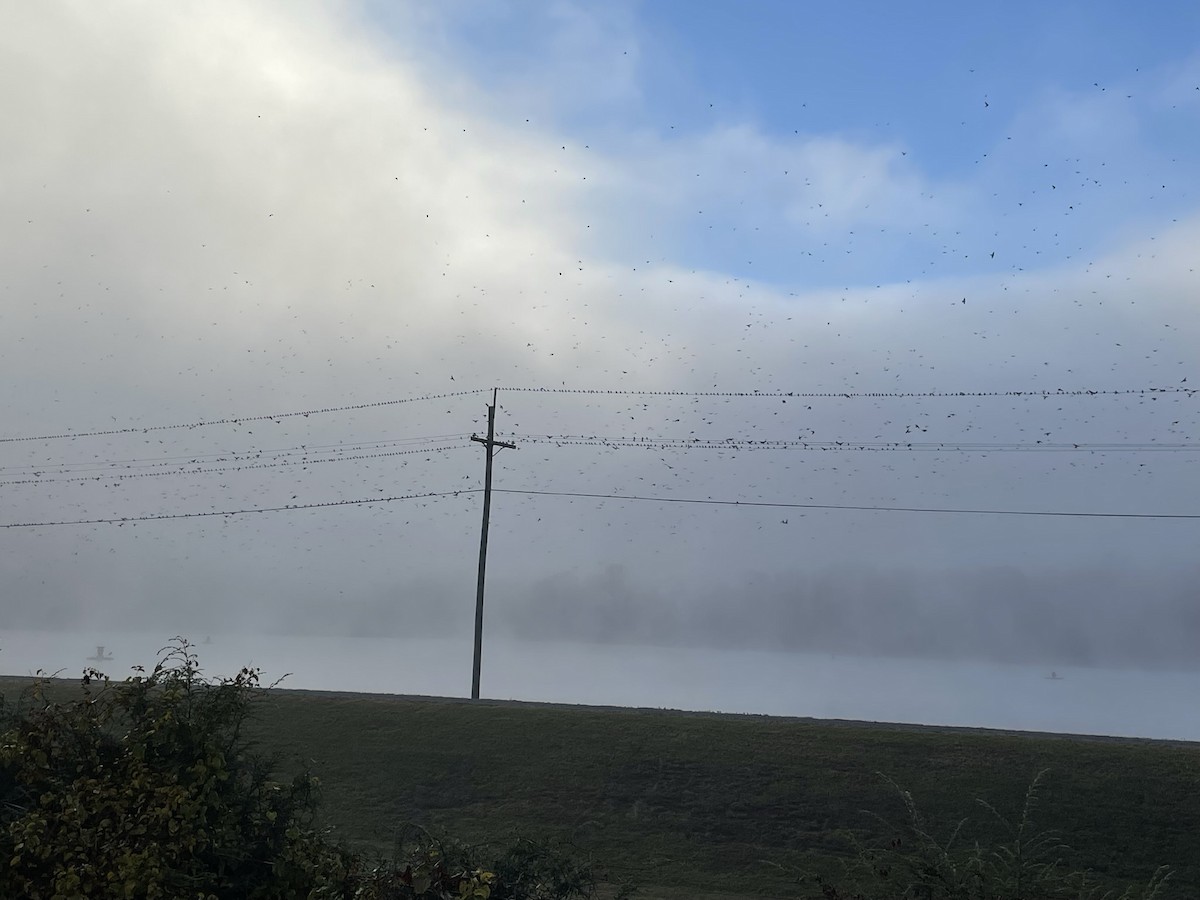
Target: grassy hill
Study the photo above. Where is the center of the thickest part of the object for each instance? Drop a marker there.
(683, 803)
(708, 806)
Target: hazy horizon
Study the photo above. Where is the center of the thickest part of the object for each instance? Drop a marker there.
(963, 693)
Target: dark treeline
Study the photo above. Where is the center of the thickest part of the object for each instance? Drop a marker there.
(1114, 617)
(1097, 618)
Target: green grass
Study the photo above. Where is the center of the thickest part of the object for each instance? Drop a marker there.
(691, 805)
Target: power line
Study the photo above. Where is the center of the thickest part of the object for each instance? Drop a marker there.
(802, 395)
(253, 460)
(665, 443)
(303, 462)
(238, 420)
(64, 468)
(852, 395)
(909, 509)
(292, 507)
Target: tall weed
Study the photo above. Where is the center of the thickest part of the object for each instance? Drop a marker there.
(1025, 863)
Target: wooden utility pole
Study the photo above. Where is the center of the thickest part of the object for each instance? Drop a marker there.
(491, 445)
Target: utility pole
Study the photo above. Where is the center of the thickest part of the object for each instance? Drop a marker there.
(491, 445)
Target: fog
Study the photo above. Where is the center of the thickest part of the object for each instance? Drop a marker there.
(787, 370)
(1067, 700)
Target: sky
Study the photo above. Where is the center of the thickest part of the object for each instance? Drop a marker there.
(886, 317)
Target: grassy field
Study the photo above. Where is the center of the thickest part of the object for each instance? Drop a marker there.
(684, 803)
(701, 805)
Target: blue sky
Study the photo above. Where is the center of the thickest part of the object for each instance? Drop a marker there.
(1002, 118)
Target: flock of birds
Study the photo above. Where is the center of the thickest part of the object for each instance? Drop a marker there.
(997, 356)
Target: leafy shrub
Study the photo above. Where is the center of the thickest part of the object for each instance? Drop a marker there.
(428, 866)
(147, 788)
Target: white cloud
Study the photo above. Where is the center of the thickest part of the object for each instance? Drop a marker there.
(231, 208)
(822, 184)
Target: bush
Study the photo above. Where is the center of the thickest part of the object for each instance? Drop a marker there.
(429, 866)
(147, 788)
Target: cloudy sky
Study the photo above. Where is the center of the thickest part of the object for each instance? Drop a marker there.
(895, 275)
